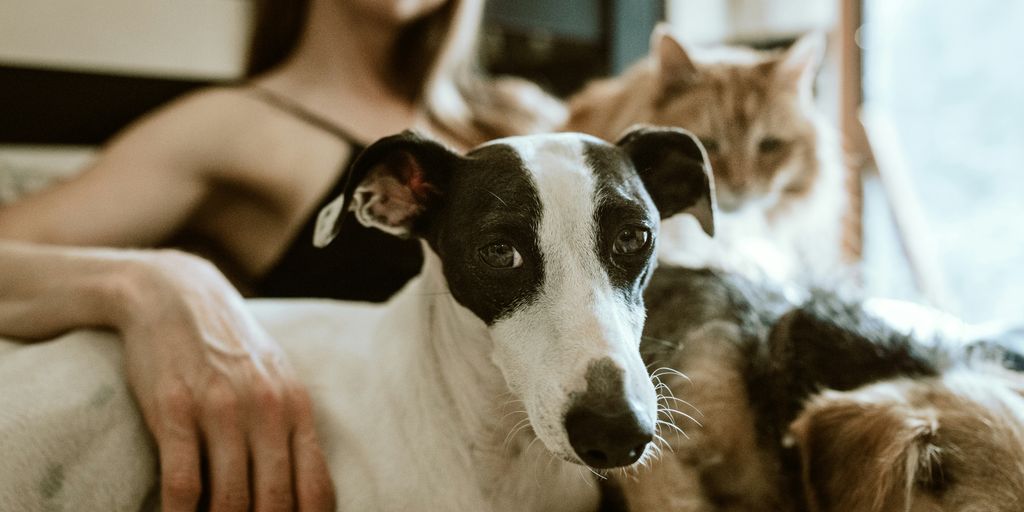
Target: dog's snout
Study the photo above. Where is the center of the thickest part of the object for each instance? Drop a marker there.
(607, 439)
(603, 429)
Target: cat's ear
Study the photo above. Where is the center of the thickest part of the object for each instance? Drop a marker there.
(799, 64)
(675, 67)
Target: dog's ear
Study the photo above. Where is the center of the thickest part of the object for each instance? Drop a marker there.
(675, 170)
(391, 186)
(864, 450)
(675, 68)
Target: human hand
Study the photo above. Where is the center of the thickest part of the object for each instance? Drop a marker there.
(213, 386)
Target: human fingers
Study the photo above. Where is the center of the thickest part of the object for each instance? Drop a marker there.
(178, 444)
(269, 440)
(226, 450)
(312, 478)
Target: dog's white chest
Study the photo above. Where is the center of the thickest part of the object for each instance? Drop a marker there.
(393, 442)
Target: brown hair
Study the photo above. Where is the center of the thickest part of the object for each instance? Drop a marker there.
(434, 62)
(277, 26)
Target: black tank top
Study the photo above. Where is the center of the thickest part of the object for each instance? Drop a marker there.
(360, 264)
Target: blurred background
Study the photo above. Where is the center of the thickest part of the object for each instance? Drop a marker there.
(928, 96)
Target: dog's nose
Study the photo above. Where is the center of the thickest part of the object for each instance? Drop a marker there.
(607, 438)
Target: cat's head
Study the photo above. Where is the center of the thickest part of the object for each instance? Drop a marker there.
(753, 110)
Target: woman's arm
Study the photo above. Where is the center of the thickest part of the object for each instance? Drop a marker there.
(45, 291)
(142, 187)
(205, 374)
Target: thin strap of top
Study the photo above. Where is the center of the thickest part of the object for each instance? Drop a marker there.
(290, 106)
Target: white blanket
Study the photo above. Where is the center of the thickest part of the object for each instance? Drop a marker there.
(70, 435)
(71, 438)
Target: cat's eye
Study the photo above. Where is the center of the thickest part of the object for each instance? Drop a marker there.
(501, 255)
(631, 240)
(770, 144)
(710, 145)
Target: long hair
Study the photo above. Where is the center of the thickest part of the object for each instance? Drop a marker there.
(433, 63)
(277, 27)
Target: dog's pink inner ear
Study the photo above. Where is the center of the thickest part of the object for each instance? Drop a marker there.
(393, 195)
(413, 175)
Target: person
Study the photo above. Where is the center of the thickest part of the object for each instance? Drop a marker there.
(235, 174)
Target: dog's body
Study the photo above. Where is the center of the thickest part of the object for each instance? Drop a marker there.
(392, 443)
(821, 407)
(523, 326)
(415, 417)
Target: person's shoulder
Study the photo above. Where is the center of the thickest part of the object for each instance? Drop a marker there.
(188, 119)
(196, 133)
(208, 122)
(206, 108)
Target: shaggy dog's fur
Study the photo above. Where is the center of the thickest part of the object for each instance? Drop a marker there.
(820, 407)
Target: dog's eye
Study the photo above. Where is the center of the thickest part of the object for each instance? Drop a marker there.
(631, 240)
(769, 144)
(501, 255)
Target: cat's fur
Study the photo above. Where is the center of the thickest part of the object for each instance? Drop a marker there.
(778, 169)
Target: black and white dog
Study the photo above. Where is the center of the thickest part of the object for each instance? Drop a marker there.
(524, 325)
(545, 244)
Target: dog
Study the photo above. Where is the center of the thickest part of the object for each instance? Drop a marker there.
(537, 252)
(545, 244)
(821, 407)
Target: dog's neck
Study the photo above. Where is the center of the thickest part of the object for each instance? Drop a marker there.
(457, 349)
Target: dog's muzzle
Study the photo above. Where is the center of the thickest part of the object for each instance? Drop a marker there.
(604, 430)
(607, 439)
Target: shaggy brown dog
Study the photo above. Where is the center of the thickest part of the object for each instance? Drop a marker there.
(819, 408)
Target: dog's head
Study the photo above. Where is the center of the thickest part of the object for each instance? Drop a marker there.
(954, 443)
(548, 240)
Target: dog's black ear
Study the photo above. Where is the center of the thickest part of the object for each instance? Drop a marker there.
(391, 186)
(674, 167)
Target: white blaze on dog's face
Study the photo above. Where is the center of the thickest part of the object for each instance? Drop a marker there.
(550, 240)
(580, 328)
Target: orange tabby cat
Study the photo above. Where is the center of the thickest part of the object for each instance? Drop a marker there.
(778, 173)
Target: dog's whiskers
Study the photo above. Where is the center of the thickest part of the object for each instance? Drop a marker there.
(683, 414)
(661, 443)
(535, 439)
(667, 343)
(674, 426)
(668, 370)
(599, 475)
(670, 396)
(517, 411)
(518, 427)
(496, 197)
